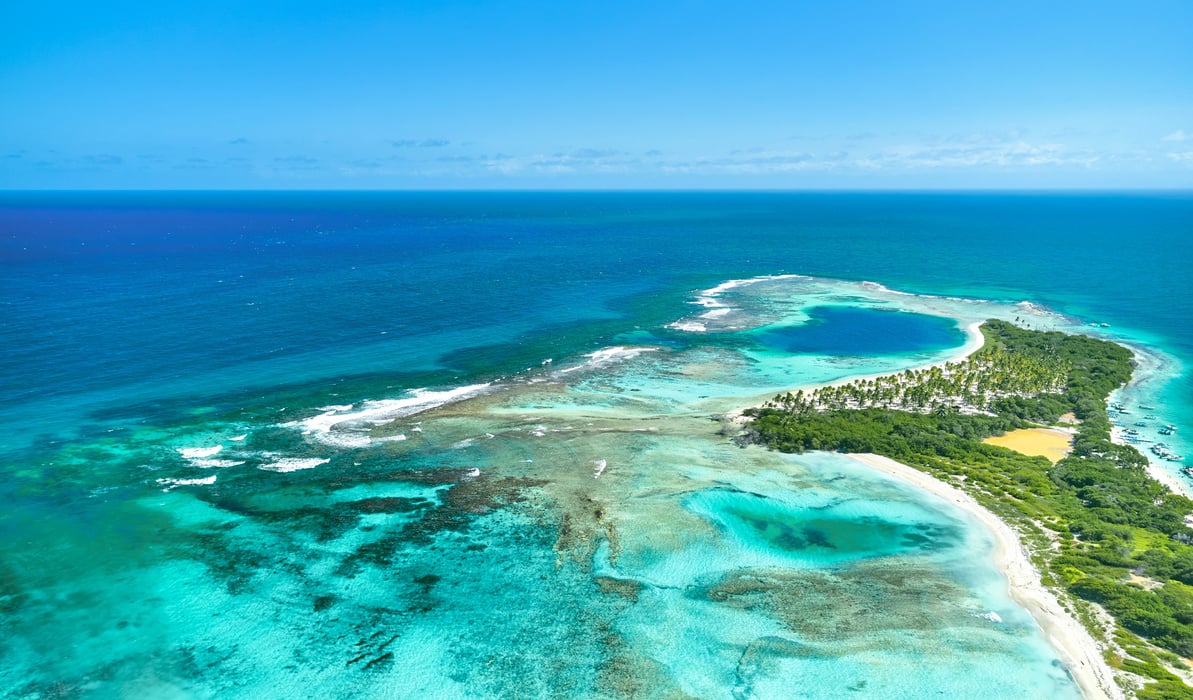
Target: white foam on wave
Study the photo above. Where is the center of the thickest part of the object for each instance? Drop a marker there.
(199, 452)
(293, 464)
(215, 463)
(606, 356)
(717, 307)
(392, 438)
(341, 426)
(879, 287)
(716, 291)
(172, 484)
(238, 438)
(599, 468)
(343, 439)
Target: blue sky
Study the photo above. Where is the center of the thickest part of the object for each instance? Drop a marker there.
(668, 94)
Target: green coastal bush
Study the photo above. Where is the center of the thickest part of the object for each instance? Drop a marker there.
(1122, 541)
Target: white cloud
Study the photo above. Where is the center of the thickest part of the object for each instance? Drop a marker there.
(1178, 135)
(976, 154)
(1183, 157)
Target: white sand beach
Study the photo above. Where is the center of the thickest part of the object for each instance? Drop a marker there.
(1075, 647)
(1079, 651)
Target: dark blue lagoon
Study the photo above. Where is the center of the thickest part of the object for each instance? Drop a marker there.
(847, 330)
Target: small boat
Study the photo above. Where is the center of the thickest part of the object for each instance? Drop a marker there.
(1131, 432)
(1141, 424)
(1104, 325)
(1147, 408)
(1150, 416)
(1123, 410)
(1167, 431)
(1187, 471)
(1171, 427)
(1175, 458)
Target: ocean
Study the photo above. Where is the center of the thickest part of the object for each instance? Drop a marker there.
(439, 445)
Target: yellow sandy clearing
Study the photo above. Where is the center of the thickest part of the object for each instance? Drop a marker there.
(1045, 442)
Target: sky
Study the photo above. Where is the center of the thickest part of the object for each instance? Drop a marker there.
(668, 94)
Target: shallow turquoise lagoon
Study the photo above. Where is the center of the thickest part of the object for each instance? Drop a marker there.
(582, 529)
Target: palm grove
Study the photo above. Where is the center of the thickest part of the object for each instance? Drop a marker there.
(1097, 525)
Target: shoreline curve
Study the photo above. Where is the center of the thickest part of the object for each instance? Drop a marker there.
(1077, 649)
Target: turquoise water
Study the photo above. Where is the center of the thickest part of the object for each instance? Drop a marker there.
(267, 445)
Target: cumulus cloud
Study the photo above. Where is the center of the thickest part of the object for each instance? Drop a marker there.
(1182, 157)
(1178, 135)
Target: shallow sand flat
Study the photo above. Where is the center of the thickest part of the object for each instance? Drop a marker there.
(1077, 649)
(1043, 442)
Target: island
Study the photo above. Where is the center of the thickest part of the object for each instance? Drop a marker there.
(1092, 536)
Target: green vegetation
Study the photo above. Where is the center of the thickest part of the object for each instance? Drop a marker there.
(1100, 528)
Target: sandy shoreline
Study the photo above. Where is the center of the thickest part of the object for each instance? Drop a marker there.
(1073, 644)
(974, 340)
(1076, 648)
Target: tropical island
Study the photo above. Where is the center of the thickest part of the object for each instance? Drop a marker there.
(1109, 541)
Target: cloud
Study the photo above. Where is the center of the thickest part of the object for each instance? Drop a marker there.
(1178, 135)
(1182, 157)
(974, 153)
(420, 143)
(757, 162)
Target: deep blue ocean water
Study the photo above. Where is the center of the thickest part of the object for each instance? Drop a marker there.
(138, 327)
(113, 301)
